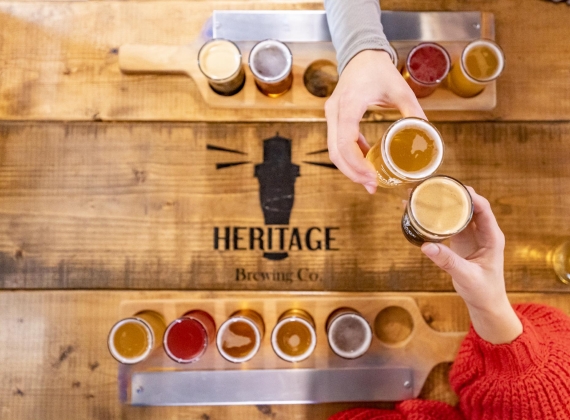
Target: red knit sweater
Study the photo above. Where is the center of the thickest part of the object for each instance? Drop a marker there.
(528, 379)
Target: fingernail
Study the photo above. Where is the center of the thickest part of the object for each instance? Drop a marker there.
(371, 189)
(430, 249)
(372, 184)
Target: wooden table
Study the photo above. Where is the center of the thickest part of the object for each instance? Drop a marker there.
(92, 196)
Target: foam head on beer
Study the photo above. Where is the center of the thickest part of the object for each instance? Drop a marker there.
(441, 205)
(483, 60)
(270, 61)
(414, 148)
(219, 59)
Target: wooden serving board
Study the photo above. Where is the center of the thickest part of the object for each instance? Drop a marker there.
(136, 58)
(402, 339)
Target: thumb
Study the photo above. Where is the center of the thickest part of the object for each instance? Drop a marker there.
(410, 107)
(446, 259)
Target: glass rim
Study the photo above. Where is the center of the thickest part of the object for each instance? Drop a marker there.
(405, 175)
(464, 69)
(306, 353)
(366, 342)
(225, 325)
(225, 79)
(281, 76)
(130, 360)
(417, 224)
(178, 321)
(439, 47)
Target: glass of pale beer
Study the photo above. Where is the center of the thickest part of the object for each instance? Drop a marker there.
(481, 62)
(410, 150)
(271, 63)
(437, 209)
(349, 334)
(220, 61)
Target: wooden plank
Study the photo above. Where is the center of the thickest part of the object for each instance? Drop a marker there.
(60, 63)
(137, 206)
(59, 364)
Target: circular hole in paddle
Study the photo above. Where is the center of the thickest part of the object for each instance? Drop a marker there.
(393, 325)
(321, 78)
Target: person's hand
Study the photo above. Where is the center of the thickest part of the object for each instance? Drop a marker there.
(370, 78)
(475, 262)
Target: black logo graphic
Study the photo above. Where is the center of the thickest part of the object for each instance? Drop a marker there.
(276, 175)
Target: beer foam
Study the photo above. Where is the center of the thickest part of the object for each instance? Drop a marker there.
(219, 59)
(349, 335)
(149, 336)
(224, 334)
(431, 131)
(496, 50)
(289, 357)
(441, 205)
(270, 60)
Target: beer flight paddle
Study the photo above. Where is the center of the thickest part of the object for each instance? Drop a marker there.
(281, 347)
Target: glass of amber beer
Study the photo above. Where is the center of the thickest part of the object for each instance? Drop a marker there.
(239, 337)
(271, 63)
(438, 208)
(294, 337)
(481, 62)
(410, 150)
(220, 61)
(131, 340)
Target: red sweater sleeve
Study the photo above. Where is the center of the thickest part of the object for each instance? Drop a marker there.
(406, 410)
(526, 379)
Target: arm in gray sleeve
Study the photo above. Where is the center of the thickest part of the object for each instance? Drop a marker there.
(355, 26)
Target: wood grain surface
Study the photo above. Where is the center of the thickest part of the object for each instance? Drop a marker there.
(94, 205)
(87, 205)
(59, 61)
(60, 368)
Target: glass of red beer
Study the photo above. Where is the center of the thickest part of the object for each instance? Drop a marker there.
(426, 67)
(187, 338)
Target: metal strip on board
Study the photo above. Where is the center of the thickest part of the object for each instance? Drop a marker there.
(312, 26)
(272, 386)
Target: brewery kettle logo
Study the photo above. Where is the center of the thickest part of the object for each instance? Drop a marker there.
(276, 175)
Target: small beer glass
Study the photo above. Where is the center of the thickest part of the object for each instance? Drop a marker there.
(561, 262)
(187, 338)
(481, 62)
(271, 63)
(131, 340)
(220, 61)
(349, 334)
(437, 209)
(410, 150)
(294, 337)
(426, 67)
(239, 337)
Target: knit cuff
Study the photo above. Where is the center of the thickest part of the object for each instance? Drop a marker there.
(374, 43)
(527, 351)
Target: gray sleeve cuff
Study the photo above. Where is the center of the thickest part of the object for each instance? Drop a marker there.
(355, 26)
